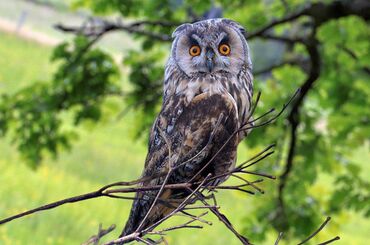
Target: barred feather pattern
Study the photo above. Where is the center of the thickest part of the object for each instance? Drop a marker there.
(200, 112)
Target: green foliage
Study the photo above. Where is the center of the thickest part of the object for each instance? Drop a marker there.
(334, 122)
(146, 76)
(351, 193)
(79, 85)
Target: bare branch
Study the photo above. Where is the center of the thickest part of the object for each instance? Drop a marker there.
(320, 13)
(101, 232)
(278, 238)
(53, 205)
(228, 224)
(274, 23)
(353, 55)
(322, 226)
(101, 27)
(293, 117)
(316, 232)
(330, 241)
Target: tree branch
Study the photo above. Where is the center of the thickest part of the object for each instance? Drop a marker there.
(101, 232)
(294, 116)
(322, 226)
(354, 56)
(105, 26)
(274, 23)
(320, 13)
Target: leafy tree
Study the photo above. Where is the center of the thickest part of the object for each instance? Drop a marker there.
(321, 47)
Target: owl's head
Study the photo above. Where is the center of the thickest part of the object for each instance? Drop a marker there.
(210, 46)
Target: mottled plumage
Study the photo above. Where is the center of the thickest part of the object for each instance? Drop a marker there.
(206, 98)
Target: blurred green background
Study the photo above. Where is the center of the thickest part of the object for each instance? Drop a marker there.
(107, 143)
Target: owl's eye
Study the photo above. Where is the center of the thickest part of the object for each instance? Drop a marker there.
(224, 49)
(194, 50)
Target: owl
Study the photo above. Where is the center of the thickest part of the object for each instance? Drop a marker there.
(207, 97)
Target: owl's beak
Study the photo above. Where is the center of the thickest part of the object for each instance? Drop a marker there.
(209, 59)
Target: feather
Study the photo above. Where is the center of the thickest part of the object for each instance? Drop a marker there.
(197, 133)
(201, 110)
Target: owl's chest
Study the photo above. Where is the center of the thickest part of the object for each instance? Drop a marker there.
(207, 84)
(232, 86)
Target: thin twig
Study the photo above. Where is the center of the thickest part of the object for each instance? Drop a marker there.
(278, 238)
(101, 232)
(316, 232)
(330, 241)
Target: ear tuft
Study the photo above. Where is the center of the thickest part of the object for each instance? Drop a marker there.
(235, 25)
(180, 29)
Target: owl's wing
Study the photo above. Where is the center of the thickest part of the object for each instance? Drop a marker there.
(191, 132)
(186, 136)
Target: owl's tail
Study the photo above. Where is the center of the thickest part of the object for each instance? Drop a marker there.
(140, 208)
(138, 211)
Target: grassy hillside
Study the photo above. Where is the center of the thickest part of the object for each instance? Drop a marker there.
(104, 153)
(41, 18)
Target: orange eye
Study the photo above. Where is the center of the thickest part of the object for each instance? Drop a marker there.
(224, 49)
(194, 50)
